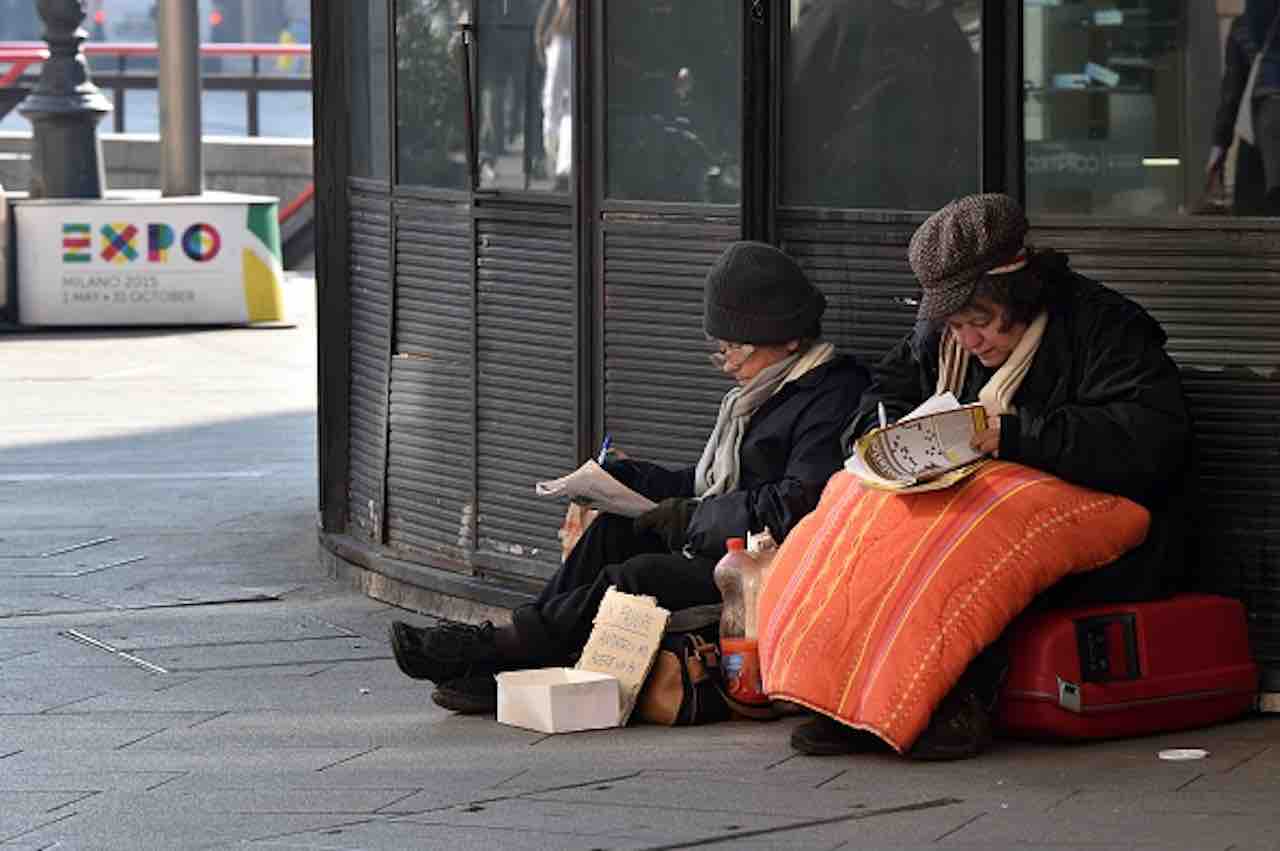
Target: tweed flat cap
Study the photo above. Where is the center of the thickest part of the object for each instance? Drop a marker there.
(959, 244)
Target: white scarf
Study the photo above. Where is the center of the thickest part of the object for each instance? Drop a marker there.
(997, 394)
(719, 467)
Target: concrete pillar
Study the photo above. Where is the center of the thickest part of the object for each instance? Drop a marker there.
(181, 154)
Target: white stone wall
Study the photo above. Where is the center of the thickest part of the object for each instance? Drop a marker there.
(261, 166)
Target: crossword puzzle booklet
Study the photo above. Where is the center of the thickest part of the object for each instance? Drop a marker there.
(928, 449)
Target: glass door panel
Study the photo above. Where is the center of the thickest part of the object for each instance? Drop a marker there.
(673, 100)
(1131, 106)
(525, 85)
(431, 145)
(880, 103)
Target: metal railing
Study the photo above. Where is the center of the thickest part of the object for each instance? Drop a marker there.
(19, 58)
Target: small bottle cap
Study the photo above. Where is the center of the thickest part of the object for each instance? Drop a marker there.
(734, 545)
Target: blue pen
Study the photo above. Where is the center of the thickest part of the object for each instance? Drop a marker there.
(604, 448)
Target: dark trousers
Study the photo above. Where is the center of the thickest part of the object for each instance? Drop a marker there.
(554, 629)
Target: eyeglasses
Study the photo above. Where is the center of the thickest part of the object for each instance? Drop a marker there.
(729, 357)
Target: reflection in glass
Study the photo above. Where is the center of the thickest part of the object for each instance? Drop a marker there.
(1102, 117)
(1246, 129)
(555, 38)
(525, 93)
(881, 103)
(432, 138)
(1131, 107)
(673, 100)
(370, 154)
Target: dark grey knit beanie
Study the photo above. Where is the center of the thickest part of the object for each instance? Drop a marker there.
(757, 294)
(959, 244)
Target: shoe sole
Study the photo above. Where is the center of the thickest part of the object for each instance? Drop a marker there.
(464, 704)
(858, 745)
(945, 755)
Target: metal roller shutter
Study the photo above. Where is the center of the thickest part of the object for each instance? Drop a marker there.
(860, 264)
(660, 394)
(369, 221)
(430, 458)
(527, 404)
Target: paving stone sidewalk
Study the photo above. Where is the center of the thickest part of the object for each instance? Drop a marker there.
(176, 673)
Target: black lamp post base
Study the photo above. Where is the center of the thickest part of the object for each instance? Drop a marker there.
(64, 111)
(66, 156)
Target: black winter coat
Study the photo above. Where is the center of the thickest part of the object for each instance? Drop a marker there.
(790, 449)
(1101, 406)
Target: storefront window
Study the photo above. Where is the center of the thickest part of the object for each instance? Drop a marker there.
(431, 125)
(370, 148)
(526, 93)
(881, 103)
(1127, 99)
(673, 100)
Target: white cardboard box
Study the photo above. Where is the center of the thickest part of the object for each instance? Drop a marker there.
(557, 700)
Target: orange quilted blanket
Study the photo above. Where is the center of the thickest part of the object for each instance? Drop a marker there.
(877, 601)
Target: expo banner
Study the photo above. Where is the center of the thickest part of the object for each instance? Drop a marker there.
(143, 260)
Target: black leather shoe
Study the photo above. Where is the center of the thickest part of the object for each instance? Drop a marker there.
(824, 736)
(959, 729)
(444, 652)
(474, 695)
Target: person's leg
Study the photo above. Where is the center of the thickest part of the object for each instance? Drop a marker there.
(557, 626)
(451, 651)
(610, 539)
(1267, 127)
(553, 630)
(1250, 190)
(961, 725)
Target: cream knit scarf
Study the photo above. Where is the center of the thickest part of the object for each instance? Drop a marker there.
(719, 467)
(997, 394)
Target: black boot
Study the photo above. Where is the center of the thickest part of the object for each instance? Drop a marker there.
(960, 728)
(444, 652)
(824, 736)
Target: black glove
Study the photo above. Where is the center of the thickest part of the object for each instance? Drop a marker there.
(620, 469)
(669, 520)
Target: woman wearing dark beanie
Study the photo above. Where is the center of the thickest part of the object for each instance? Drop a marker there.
(775, 443)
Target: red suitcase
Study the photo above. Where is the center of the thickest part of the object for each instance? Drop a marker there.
(1128, 669)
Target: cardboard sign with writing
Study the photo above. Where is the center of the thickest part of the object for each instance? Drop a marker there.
(624, 642)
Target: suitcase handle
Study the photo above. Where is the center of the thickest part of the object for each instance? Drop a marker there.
(1108, 646)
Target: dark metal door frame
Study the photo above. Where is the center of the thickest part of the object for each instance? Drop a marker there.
(331, 153)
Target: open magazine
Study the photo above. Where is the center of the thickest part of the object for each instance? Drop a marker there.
(927, 449)
(590, 485)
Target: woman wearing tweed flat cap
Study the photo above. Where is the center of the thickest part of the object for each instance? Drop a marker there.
(774, 444)
(1076, 382)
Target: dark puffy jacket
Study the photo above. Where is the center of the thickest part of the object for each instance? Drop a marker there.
(1101, 406)
(1261, 17)
(1237, 60)
(790, 449)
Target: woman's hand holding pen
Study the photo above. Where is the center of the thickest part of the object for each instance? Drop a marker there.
(609, 452)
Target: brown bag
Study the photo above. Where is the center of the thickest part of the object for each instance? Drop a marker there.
(683, 687)
(576, 520)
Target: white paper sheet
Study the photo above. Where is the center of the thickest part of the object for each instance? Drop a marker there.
(591, 485)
